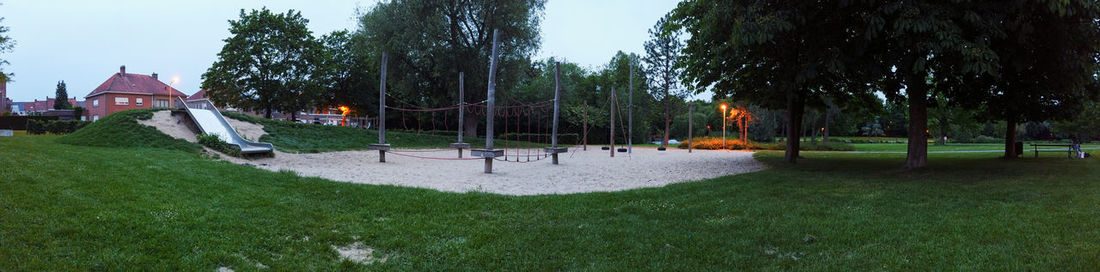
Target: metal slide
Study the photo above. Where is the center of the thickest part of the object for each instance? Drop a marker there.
(211, 122)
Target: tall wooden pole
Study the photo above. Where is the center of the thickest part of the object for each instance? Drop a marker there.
(491, 101)
(461, 114)
(461, 106)
(557, 104)
(381, 146)
(630, 115)
(612, 122)
(584, 141)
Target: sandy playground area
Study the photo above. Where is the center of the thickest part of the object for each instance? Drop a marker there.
(578, 171)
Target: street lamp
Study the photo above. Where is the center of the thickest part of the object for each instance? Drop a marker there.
(168, 90)
(723, 106)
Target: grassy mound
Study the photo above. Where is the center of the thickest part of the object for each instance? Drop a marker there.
(122, 130)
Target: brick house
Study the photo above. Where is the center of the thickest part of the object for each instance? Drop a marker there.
(123, 91)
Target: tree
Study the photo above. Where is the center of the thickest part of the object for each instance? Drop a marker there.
(914, 40)
(429, 42)
(349, 76)
(268, 63)
(6, 45)
(662, 49)
(1049, 52)
(62, 100)
(768, 52)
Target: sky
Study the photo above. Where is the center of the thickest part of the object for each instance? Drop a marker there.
(85, 42)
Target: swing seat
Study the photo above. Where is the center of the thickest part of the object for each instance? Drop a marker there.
(383, 147)
(621, 150)
(487, 153)
(460, 145)
(605, 148)
(556, 150)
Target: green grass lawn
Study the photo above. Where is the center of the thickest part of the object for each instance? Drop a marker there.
(67, 207)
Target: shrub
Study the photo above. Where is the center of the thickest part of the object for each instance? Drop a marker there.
(831, 146)
(716, 143)
(988, 140)
(54, 126)
(214, 142)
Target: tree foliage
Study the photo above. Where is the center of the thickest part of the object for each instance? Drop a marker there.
(62, 100)
(662, 51)
(429, 42)
(269, 63)
(6, 46)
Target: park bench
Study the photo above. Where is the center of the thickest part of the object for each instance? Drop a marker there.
(1071, 149)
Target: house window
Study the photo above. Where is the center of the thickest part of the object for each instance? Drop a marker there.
(122, 101)
(140, 101)
(95, 117)
(162, 103)
(95, 103)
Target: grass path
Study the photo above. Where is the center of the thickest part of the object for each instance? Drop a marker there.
(65, 207)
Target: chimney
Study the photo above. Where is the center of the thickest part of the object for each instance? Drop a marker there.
(122, 70)
(154, 75)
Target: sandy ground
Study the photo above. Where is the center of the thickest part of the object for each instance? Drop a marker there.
(578, 171)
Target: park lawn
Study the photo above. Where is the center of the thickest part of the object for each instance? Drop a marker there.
(955, 147)
(66, 207)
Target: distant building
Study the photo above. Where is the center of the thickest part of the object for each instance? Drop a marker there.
(123, 91)
(40, 106)
(198, 96)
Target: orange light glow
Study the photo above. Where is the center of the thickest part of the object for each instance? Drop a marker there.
(344, 110)
(723, 106)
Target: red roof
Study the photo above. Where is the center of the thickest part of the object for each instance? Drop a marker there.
(134, 84)
(201, 94)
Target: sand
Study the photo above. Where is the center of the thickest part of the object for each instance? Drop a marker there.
(578, 171)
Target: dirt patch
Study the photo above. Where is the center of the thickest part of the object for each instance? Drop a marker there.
(358, 253)
(247, 130)
(172, 125)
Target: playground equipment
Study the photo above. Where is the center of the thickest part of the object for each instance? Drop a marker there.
(211, 122)
(520, 152)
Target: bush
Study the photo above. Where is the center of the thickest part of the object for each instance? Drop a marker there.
(716, 143)
(212, 141)
(831, 146)
(54, 126)
(987, 140)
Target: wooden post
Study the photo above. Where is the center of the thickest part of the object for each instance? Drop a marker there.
(461, 114)
(584, 129)
(554, 150)
(630, 115)
(381, 146)
(612, 122)
(489, 153)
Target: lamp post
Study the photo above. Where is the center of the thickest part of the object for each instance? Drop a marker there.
(171, 103)
(723, 126)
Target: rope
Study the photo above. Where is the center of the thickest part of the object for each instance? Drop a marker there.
(433, 158)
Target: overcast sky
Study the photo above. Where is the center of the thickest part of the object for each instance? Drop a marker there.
(85, 42)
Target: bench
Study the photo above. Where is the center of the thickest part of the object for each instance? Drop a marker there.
(1071, 149)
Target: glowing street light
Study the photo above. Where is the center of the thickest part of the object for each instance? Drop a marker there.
(723, 106)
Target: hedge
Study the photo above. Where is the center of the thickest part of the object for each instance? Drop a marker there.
(55, 126)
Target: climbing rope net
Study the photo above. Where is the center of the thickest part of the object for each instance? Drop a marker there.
(526, 127)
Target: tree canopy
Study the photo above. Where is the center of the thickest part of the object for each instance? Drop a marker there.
(62, 100)
(268, 63)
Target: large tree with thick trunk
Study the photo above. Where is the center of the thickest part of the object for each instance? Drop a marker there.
(662, 49)
(775, 53)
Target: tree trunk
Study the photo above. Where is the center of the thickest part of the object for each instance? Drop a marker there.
(668, 118)
(825, 132)
(795, 108)
(917, 90)
(470, 126)
(1010, 138)
(267, 112)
